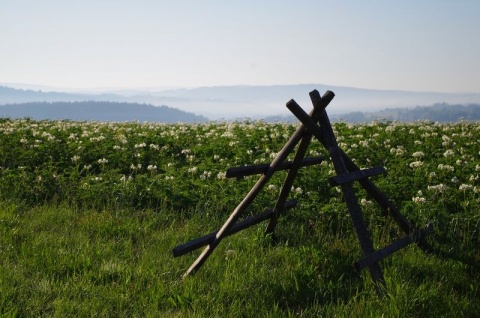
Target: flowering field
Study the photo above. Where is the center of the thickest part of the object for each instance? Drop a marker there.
(431, 167)
(179, 169)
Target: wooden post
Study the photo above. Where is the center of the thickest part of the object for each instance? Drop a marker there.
(372, 189)
(325, 133)
(292, 173)
(288, 183)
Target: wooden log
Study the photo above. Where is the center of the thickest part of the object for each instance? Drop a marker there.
(368, 185)
(279, 159)
(356, 175)
(205, 240)
(325, 133)
(378, 255)
(288, 183)
(387, 207)
(239, 172)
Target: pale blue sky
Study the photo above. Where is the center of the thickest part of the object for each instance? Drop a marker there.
(405, 45)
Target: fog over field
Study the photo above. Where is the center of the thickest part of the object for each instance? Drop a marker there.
(230, 102)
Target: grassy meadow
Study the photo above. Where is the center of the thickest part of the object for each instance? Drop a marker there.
(90, 211)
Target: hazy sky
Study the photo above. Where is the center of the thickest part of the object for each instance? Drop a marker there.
(408, 45)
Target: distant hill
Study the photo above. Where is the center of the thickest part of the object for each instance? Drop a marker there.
(242, 101)
(441, 112)
(98, 111)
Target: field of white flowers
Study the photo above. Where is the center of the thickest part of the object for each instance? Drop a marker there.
(157, 165)
(433, 169)
(180, 170)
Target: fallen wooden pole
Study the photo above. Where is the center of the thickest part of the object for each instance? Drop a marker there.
(378, 255)
(205, 240)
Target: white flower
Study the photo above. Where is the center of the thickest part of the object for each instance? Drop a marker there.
(415, 164)
(438, 188)
(448, 153)
(365, 202)
(142, 145)
(389, 129)
(446, 167)
(418, 154)
(397, 151)
(152, 168)
(419, 199)
(102, 161)
(464, 187)
(205, 175)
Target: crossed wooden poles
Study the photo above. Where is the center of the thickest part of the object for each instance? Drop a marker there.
(315, 124)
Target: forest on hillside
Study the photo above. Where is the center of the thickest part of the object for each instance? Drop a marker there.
(98, 111)
(441, 112)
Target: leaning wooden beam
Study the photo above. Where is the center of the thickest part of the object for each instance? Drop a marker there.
(388, 208)
(368, 185)
(281, 156)
(356, 175)
(292, 173)
(377, 256)
(205, 240)
(288, 183)
(239, 172)
(325, 132)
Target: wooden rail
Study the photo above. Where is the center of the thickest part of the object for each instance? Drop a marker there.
(205, 240)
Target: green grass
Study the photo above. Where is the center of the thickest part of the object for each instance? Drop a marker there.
(90, 212)
(63, 262)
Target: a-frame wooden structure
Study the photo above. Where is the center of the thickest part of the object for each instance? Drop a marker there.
(316, 124)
